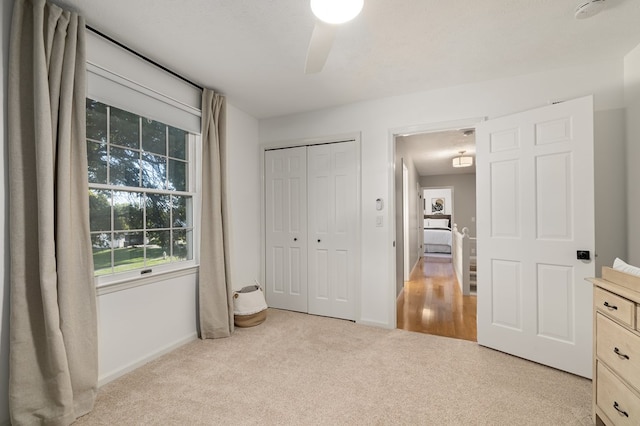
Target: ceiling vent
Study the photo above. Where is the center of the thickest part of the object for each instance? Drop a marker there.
(587, 9)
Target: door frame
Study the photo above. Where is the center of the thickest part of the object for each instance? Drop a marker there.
(322, 140)
(405, 221)
(393, 133)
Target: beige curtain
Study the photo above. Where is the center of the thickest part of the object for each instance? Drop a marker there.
(53, 361)
(214, 290)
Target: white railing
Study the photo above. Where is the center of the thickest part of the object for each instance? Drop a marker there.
(461, 257)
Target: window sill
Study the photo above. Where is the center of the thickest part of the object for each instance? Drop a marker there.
(129, 283)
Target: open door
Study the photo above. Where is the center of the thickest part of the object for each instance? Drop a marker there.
(535, 210)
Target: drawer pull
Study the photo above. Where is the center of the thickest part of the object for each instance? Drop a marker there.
(612, 307)
(620, 354)
(619, 410)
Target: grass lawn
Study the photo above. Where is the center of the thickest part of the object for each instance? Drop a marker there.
(128, 258)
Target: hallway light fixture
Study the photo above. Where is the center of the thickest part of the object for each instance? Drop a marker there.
(462, 161)
(336, 11)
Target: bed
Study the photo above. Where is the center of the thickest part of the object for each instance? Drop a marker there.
(437, 233)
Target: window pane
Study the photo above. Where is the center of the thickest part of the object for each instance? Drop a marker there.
(158, 247)
(128, 251)
(99, 210)
(158, 211)
(127, 210)
(177, 143)
(124, 167)
(130, 155)
(154, 171)
(182, 245)
(181, 218)
(97, 159)
(154, 137)
(101, 244)
(177, 175)
(125, 129)
(96, 120)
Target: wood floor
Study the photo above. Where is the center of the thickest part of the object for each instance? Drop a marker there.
(432, 302)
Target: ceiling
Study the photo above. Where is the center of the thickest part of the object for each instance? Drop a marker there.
(254, 51)
(432, 153)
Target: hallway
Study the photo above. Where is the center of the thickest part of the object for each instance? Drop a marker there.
(432, 302)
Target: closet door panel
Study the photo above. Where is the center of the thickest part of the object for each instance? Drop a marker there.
(286, 228)
(332, 207)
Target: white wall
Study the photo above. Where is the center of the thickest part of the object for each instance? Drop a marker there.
(5, 18)
(243, 164)
(464, 197)
(375, 119)
(141, 323)
(610, 184)
(632, 103)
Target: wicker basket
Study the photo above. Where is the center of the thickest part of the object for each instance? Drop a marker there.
(249, 307)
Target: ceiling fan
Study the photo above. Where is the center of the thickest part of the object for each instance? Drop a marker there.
(330, 14)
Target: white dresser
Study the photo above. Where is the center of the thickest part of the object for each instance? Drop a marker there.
(616, 354)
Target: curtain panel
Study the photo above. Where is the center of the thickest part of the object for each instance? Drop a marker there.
(215, 296)
(53, 358)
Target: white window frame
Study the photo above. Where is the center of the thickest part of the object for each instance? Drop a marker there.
(136, 276)
(120, 79)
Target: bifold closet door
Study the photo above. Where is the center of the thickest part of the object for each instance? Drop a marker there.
(286, 228)
(333, 226)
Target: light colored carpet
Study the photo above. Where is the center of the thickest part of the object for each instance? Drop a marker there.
(300, 369)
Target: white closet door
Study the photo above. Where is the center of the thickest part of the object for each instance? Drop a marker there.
(333, 223)
(286, 228)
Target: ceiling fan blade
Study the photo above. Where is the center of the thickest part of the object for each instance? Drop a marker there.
(319, 47)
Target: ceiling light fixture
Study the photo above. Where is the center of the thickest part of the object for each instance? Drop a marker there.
(462, 161)
(336, 11)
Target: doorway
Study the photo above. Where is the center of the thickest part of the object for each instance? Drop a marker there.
(430, 300)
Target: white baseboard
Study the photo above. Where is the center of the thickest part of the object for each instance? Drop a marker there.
(106, 378)
(374, 323)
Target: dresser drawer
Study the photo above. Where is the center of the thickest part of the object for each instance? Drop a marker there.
(615, 306)
(611, 393)
(619, 349)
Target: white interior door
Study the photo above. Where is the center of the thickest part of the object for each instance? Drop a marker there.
(286, 228)
(332, 207)
(535, 192)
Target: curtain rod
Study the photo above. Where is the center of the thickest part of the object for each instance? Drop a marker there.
(141, 56)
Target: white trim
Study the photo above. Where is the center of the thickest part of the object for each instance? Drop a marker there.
(342, 137)
(151, 278)
(393, 133)
(104, 379)
(375, 323)
(437, 127)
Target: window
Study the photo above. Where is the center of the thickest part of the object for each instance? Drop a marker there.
(141, 191)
